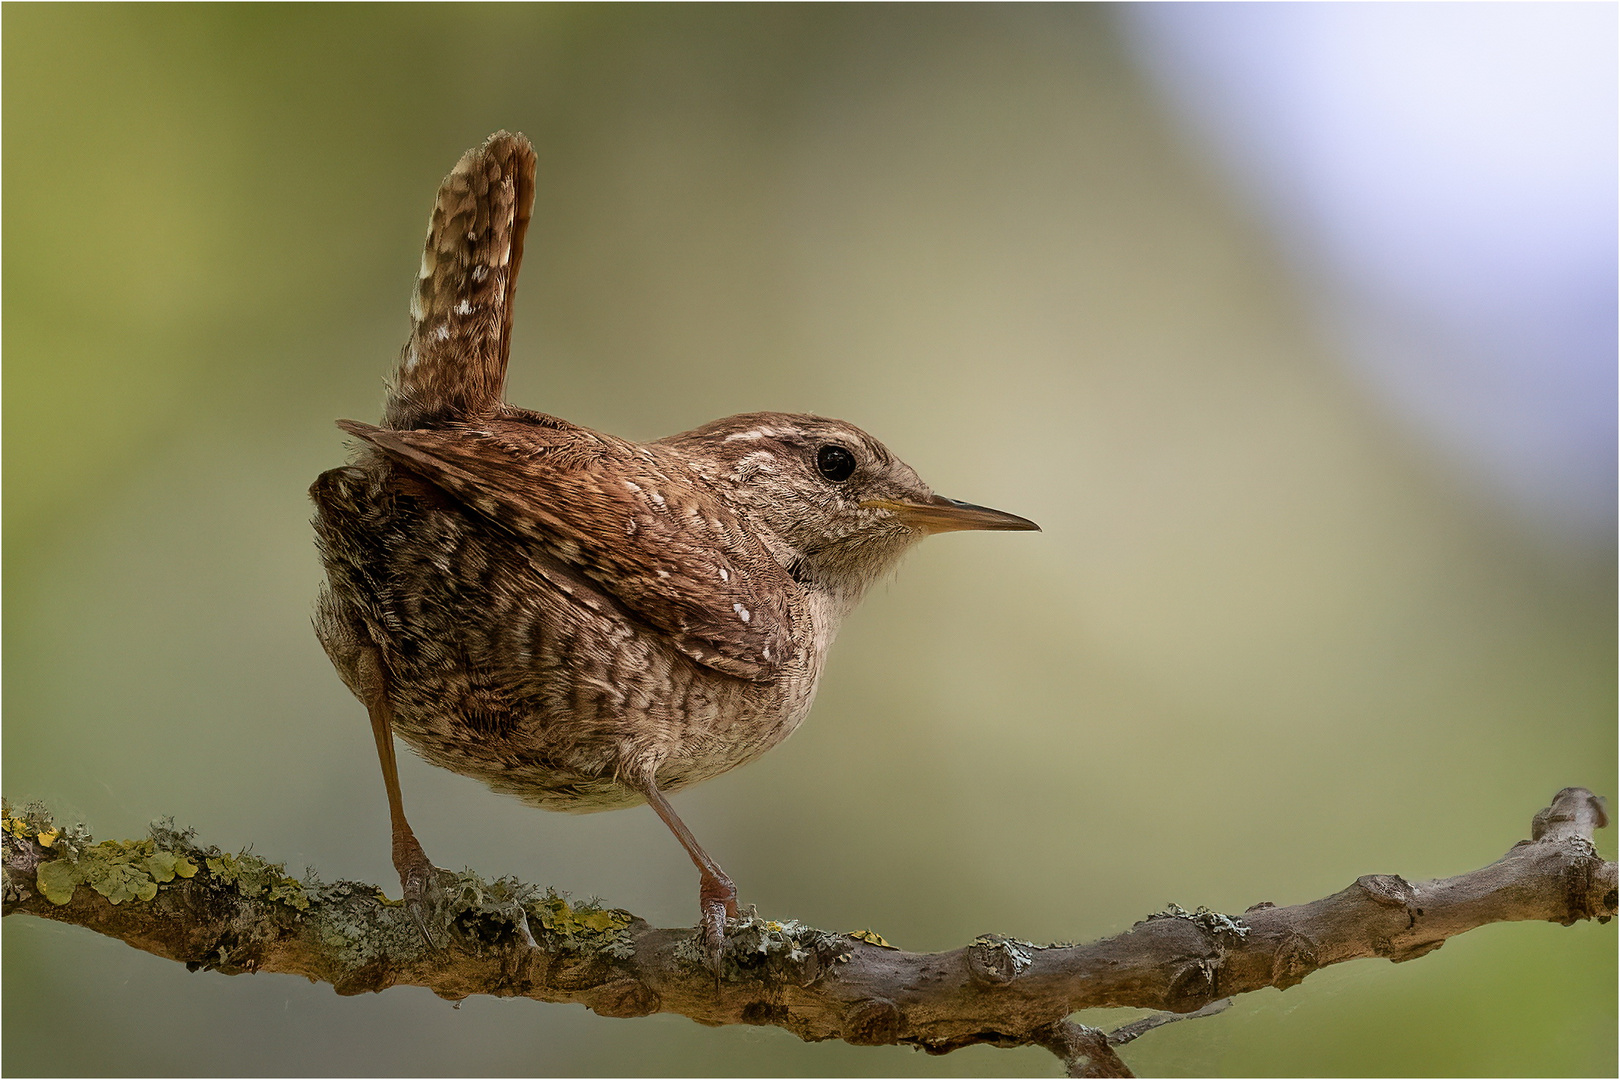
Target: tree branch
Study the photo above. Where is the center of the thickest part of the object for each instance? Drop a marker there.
(238, 913)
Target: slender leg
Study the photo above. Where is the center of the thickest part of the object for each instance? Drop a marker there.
(717, 896)
(416, 873)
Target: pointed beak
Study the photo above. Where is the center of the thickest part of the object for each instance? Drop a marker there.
(940, 514)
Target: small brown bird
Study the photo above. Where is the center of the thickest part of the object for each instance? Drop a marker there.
(578, 620)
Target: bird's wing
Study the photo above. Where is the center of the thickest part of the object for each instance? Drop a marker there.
(671, 554)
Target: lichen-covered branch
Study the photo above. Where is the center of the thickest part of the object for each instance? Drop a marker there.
(237, 913)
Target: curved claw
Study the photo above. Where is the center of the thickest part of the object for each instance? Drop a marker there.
(419, 879)
(717, 902)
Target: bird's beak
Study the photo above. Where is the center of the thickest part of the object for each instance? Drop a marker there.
(940, 514)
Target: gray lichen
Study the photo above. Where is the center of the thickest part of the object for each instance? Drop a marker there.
(754, 946)
(1211, 922)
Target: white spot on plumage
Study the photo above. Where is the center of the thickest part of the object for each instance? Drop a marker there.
(464, 308)
(663, 573)
(725, 575)
(657, 499)
(755, 433)
(631, 485)
(480, 272)
(441, 333)
(742, 613)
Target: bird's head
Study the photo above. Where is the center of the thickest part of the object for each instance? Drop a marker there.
(839, 508)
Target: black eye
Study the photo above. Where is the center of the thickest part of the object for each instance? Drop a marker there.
(835, 463)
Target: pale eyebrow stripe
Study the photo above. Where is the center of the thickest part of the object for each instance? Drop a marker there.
(755, 433)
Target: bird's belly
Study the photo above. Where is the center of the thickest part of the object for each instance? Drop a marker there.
(560, 706)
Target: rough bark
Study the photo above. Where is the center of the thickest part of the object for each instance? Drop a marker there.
(238, 913)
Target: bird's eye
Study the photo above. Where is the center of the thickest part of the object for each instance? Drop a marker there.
(835, 463)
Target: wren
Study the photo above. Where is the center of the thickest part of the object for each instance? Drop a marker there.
(576, 619)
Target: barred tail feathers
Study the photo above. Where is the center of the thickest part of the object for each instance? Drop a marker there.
(454, 365)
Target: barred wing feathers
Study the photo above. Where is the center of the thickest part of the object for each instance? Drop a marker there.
(604, 510)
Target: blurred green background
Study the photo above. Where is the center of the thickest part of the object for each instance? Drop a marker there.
(1267, 642)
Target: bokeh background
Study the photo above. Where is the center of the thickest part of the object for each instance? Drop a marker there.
(1294, 327)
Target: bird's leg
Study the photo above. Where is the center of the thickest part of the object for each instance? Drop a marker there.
(417, 876)
(717, 896)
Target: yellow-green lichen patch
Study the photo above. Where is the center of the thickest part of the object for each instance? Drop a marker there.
(56, 881)
(871, 937)
(26, 824)
(33, 822)
(120, 870)
(165, 866)
(583, 927)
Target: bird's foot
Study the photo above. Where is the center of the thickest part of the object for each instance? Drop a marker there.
(717, 902)
(419, 879)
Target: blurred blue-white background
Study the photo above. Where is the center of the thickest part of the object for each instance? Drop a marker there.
(1445, 180)
(1293, 325)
